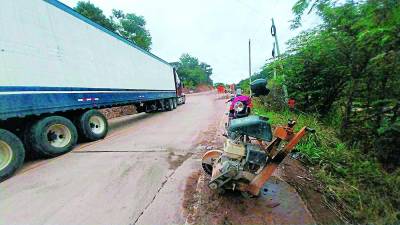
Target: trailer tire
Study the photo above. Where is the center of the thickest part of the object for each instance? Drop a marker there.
(184, 100)
(170, 104)
(12, 154)
(92, 125)
(51, 136)
(175, 103)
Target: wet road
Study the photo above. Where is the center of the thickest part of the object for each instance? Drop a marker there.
(133, 176)
(136, 175)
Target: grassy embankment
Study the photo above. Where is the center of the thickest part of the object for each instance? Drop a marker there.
(352, 181)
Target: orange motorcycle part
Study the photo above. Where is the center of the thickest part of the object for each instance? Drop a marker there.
(284, 133)
(208, 159)
(258, 182)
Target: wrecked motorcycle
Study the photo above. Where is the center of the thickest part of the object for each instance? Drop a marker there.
(251, 152)
(240, 106)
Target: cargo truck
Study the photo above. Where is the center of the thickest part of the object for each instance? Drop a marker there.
(57, 68)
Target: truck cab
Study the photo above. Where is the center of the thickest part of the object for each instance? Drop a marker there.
(179, 89)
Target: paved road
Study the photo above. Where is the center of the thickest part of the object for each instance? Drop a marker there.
(137, 175)
(133, 176)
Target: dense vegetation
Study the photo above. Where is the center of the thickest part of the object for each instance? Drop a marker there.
(193, 72)
(348, 68)
(347, 71)
(355, 186)
(344, 75)
(128, 25)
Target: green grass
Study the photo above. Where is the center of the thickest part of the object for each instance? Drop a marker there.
(353, 181)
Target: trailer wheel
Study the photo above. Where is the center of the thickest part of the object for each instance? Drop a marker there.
(92, 125)
(170, 104)
(52, 136)
(175, 103)
(184, 100)
(12, 154)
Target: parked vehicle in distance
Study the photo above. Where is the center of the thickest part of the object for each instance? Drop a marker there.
(57, 68)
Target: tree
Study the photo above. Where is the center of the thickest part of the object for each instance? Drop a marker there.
(348, 69)
(132, 27)
(208, 70)
(350, 66)
(95, 14)
(193, 72)
(129, 26)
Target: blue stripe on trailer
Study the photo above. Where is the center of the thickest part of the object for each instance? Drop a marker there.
(21, 105)
(74, 13)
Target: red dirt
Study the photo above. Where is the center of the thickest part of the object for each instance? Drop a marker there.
(115, 112)
(176, 161)
(310, 190)
(202, 88)
(278, 205)
(198, 89)
(189, 201)
(203, 206)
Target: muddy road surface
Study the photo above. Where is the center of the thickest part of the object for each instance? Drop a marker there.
(137, 175)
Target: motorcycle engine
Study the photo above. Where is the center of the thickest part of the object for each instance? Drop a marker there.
(238, 164)
(255, 157)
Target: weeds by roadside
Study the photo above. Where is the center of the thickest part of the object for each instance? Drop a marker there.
(354, 184)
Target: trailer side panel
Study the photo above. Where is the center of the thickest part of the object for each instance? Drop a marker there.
(53, 59)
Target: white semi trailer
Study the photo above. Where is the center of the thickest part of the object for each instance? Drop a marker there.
(56, 68)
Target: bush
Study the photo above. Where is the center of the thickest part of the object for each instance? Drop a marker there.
(387, 144)
(353, 182)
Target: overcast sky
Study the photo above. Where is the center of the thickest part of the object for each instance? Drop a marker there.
(215, 31)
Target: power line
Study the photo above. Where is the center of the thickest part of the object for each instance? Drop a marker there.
(258, 13)
(251, 8)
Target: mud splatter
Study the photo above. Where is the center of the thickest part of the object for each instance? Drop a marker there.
(176, 161)
(310, 190)
(278, 204)
(189, 196)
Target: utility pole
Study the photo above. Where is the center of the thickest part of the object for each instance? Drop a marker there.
(250, 64)
(276, 46)
(273, 33)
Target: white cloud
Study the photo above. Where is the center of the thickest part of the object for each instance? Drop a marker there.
(215, 31)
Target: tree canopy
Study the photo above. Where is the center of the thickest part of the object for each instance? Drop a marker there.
(349, 67)
(347, 71)
(128, 25)
(193, 72)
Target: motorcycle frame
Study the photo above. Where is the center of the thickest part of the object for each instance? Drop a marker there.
(280, 133)
(275, 155)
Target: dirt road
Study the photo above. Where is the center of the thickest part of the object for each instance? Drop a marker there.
(137, 175)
